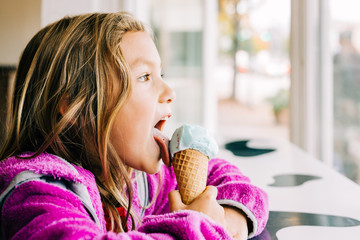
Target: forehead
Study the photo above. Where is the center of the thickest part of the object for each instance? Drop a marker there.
(138, 49)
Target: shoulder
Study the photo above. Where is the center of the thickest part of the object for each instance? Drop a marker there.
(45, 164)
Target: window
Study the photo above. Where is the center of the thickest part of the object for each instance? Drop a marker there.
(253, 71)
(345, 50)
(325, 82)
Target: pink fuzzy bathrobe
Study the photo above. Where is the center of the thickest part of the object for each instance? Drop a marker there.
(49, 209)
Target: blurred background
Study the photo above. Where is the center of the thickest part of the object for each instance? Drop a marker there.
(245, 69)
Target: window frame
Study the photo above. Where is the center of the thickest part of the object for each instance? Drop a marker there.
(311, 100)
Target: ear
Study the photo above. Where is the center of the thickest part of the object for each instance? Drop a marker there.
(63, 104)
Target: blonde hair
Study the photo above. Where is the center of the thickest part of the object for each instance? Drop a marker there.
(76, 61)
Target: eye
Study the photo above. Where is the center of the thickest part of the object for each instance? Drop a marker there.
(144, 78)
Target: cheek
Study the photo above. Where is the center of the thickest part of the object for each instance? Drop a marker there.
(128, 131)
(142, 110)
(121, 132)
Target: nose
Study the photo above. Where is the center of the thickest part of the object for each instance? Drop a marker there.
(168, 95)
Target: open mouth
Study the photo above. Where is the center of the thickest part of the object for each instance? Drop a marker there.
(160, 125)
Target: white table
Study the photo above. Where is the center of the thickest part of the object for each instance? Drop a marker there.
(325, 206)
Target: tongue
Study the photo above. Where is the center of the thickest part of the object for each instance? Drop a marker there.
(163, 142)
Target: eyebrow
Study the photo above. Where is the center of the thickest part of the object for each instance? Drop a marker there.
(139, 61)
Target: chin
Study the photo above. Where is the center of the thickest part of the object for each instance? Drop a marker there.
(154, 169)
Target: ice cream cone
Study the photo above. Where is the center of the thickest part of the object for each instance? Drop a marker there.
(190, 167)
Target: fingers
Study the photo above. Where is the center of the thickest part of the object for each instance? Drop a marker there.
(207, 197)
(175, 202)
(205, 203)
(210, 192)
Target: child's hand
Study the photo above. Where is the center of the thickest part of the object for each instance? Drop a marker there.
(230, 218)
(205, 203)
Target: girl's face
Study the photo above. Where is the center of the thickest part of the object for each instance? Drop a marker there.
(147, 107)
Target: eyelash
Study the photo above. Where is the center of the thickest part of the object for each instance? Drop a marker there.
(146, 77)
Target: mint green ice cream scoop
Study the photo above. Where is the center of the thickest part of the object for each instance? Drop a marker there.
(193, 137)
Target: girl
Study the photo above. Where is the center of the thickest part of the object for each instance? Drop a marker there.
(81, 160)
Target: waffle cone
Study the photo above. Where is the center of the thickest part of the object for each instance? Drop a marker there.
(190, 167)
